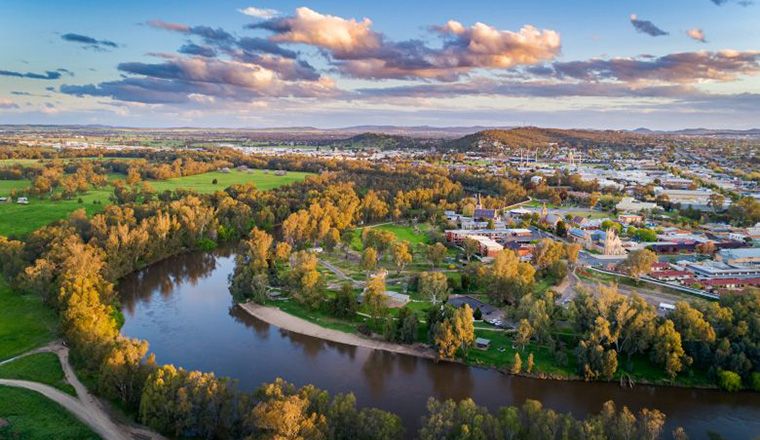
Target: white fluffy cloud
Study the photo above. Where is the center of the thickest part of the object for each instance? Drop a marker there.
(252, 11)
(696, 34)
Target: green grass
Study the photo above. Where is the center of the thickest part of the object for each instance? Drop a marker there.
(7, 185)
(25, 322)
(41, 367)
(32, 416)
(544, 362)
(20, 220)
(403, 233)
(202, 183)
(319, 317)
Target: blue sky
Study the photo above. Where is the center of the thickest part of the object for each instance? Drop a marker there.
(622, 64)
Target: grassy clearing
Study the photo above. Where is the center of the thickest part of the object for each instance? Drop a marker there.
(41, 367)
(19, 220)
(203, 183)
(32, 416)
(25, 322)
(404, 233)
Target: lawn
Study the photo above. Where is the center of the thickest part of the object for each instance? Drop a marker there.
(7, 185)
(402, 232)
(25, 322)
(41, 367)
(19, 220)
(203, 183)
(32, 416)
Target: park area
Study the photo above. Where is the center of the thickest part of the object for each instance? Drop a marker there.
(19, 219)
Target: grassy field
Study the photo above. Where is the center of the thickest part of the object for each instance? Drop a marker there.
(202, 183)
(31, 416)
(25, 322)
(19, 220)
(41, 367)
(403, 233)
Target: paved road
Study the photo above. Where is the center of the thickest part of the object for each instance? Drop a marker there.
(86, 407)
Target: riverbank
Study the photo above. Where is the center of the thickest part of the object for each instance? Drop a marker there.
(286, 321)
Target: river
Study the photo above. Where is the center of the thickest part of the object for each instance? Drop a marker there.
(183, 308)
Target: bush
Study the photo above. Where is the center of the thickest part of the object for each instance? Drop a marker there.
(478, 315)
(206, 244)
(364, 329)
(754, 380)
(729, 381)
(214, 182)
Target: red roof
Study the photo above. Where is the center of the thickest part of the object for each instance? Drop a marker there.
(731, 281)
(671, 273)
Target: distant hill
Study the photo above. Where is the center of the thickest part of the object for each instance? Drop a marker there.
(381, 141)
(535, 137)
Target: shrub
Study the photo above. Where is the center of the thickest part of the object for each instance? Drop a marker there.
(478, 315)
(754, 380)
(729, 381)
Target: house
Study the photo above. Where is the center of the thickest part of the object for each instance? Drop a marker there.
(22, 201)
(630, 219)
(482, 343)
(629, 204)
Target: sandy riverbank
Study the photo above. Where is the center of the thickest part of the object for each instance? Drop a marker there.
(286, 321)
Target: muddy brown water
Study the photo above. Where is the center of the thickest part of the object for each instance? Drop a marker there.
(183, 308)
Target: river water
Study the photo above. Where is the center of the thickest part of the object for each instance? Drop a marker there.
(183, 308)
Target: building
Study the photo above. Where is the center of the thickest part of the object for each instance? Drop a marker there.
(502, 235)
(629, 204)
(482, 343)
(630, 219)
(486, 247)
(744, 256)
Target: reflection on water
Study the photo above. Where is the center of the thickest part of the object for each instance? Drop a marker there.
(183, 308)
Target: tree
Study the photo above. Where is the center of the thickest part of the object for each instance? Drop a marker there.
(529, 368)
(454, 333)
(122, 373)
(547, 252)
(374, 296)
(344, 305)
(516, 364)
(510, 278)
(594, 199)
(434, 286)
(304, 279)
(729, 381)
(470, 248)
(369, 260)
(667, 349)
(523, 334)
(571, 252)
(282, 252)
(716, 201)
(560, 229)
(436, 253)
(639, 262)
(401, 255)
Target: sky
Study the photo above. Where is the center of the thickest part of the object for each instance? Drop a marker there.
(253, 64)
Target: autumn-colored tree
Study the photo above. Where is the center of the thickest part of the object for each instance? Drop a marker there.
(401, 255)
(369, 260)
(306, 282)
(639, 262)
(509, 277)
(374, 296)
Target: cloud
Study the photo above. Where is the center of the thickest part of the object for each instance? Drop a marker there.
(194, 49)
(646, 27)
(358, 51)
(89, 42)
(259, 12)
(177, 79)
(6, 103)
(681, 68)
(48, 75)
(696, 34)
(256, 44)
(740, 2)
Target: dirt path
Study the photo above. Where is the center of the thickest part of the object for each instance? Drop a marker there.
(85, 407)
(295, 324)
